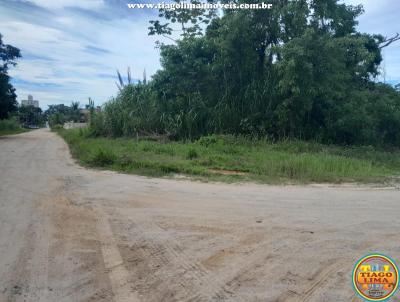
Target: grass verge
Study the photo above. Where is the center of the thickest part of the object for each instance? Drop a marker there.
(10, 126)
(11, 132)
(228, 158)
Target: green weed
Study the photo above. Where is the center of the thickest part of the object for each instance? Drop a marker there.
(256, 160)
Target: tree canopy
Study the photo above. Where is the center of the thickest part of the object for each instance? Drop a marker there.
(299, 70)
(8, 98)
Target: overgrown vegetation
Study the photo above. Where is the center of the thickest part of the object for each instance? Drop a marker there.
(298, 71)
(230, 158)
(10, 126)
(8, 99)
(282, 95)
(13, 116)
(58, 114)
(30, 116)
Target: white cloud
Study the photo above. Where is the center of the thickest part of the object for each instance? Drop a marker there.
(74, 54)
(57, 4)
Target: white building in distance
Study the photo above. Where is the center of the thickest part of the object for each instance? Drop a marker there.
(30, 102)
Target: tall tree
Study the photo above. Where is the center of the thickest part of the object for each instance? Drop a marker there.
(287, 71)
(298, 70)
(8, 97)
(30, 116)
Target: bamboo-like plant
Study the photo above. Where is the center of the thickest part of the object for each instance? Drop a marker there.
(121, 84)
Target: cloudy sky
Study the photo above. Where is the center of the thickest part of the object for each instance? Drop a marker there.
(72, 48)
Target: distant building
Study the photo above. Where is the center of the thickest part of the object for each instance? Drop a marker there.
(84, 115)
(30, 102)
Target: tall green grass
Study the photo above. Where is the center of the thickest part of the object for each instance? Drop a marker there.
(236, 159)
(10, 126)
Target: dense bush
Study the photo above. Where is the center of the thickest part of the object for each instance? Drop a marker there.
(60, 114)
(280, 73)
(102, 158)
(56, 127)
(8, 98)
(10, 124)
(133, 112)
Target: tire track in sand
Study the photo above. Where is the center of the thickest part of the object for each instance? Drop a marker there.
(118, 274)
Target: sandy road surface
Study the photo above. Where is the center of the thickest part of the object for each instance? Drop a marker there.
(71, 234)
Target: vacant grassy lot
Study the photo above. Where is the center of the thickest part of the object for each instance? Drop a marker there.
(230, 158)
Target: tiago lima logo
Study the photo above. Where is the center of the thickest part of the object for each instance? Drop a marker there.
(376, 277)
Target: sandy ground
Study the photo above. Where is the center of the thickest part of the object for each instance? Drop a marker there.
(72, 234)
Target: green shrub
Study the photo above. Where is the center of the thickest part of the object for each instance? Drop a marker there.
(9, 124)
(131, 113)
(57, 119)
(84, 132)
(208, 140)
(103, 157)
(192, 154)
(96, 125)
(57, 127)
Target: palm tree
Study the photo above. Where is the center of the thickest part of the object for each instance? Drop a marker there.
(75, 113)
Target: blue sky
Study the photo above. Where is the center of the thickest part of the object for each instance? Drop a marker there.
(72, 48)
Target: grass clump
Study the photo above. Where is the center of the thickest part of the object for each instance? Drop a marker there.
(229, 158)
(192, 154)
(57, 127)
(102, 158)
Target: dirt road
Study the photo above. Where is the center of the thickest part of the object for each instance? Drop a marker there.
(71, 234)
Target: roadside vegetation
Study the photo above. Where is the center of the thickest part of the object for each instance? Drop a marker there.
(59, 114)
(287, 94)
(229, 158)
(299, 71)
(10, 126)
(12, 116)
